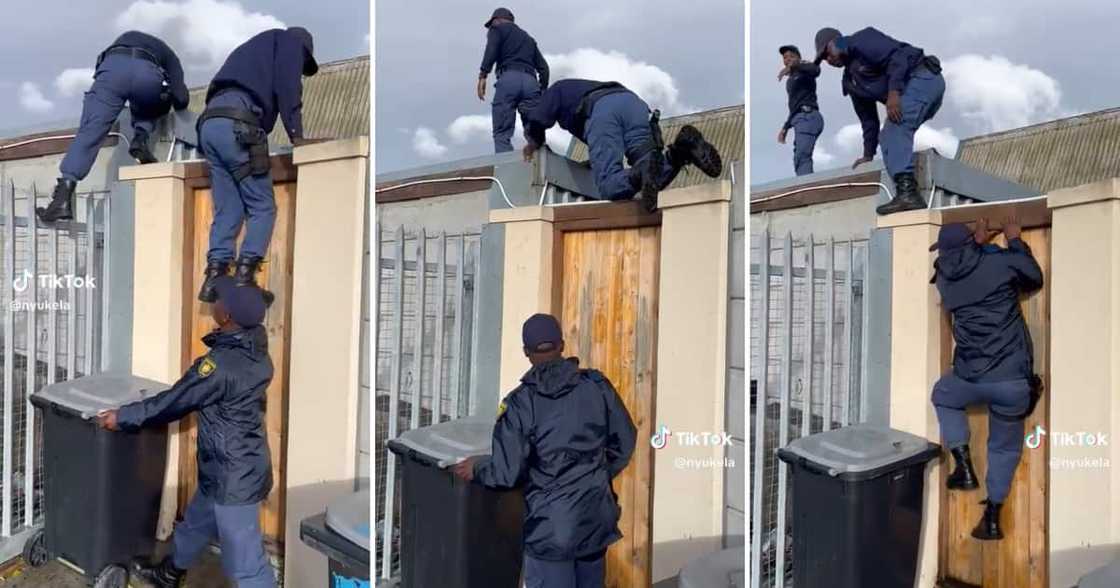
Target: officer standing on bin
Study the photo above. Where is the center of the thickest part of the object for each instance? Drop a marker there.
(616, 124)
(878, 69)
(227, 388)
(993, 363)
(563, 434)
(260, 81)
(804, 116)
(138, 69)
(522, 74)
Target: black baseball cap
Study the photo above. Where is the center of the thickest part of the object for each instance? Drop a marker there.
(952, 236)
(782, 50)
(310, 66)
(541, 330)
(824, 37)
(245, 304)
(499, 13)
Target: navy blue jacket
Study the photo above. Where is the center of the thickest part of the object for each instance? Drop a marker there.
(560, 105)
(269, 68)
(980, 287)
(874, 65)
(801, 88)
(172, 68)
(226, 387)
(510, 47)
(563, 435)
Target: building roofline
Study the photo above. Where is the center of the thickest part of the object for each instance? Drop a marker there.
(1042, 127)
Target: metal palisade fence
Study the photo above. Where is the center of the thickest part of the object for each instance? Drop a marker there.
(808, 370)
(427, 310)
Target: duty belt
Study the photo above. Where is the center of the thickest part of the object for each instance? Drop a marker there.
(239, 114)
(807, 108)
(134, 52)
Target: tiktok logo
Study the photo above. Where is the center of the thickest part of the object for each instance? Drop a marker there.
(1034, 439)
(21, 283)
(660, 439)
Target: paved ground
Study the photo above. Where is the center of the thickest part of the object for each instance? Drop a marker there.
(206, 574)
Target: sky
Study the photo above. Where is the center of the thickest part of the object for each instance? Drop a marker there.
(52, 46)
(1007, 63)
(680, 57)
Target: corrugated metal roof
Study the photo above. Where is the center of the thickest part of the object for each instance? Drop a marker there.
(335, 102)
(1057, 154)
(723, 127)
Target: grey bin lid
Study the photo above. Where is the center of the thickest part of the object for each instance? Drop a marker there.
(858, 448)
(451, 442)
(1103, 577)
(349, 516)
(89, 395)
(722, 569)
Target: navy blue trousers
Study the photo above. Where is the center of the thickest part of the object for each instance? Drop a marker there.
(619, 128)
(238, 531)
(119, 79)
(921, 99)
(586, 572)
(515, 92)
(807, 127)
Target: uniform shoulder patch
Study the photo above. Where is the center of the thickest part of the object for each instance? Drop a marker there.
(501, 408)
(207, 367)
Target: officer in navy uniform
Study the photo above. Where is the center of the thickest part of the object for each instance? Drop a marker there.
(138, 69)
(262, 80)
(804, 115)
(993, 363)
(616, 124)
(226, 387)
(562, 435)
(522, 74)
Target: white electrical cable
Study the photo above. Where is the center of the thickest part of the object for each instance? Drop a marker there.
(444, 180)
(826, 187)
(55, 138)
(544, 190)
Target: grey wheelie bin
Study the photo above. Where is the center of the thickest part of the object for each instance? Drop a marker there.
(721, 569)
(857, 506)
(342, 534)
(1103, 577)
(102, 488)
(455, 534)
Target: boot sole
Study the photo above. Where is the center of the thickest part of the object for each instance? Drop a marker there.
(982, 537)
(972, 486)
(704, 155)
(143, 156)
(39, 214)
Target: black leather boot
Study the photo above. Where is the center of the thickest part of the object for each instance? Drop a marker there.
(214, 269)
(906, 196)
(160, 575)
(644, 178)
(62, 202)
(963, 476)
(690, 147)
(245, 274)
(139, 150)
(988, 527)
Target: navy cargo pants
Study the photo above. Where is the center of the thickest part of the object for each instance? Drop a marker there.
(238, 531)
(618, 128)
(585, 572)
(807, 127)
(1005, 400)
(515, 92)
(921, 99)
(249, 201)
(119, 79)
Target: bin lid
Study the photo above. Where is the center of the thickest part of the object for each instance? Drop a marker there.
(453, 441)
(859, 449)
(722, 569)
(89, 395)
(349, 516)
(1104, 577)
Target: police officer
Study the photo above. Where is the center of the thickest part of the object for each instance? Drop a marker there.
(565, 434)
(260, 81)
(226, 387)
(615, 123)
(993, 363)
(138, 69)
(878, 68)
(804, 116)
(522, 73)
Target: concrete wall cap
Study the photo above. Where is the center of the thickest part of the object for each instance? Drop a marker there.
(331, 150)
(152, 171)
(523, 214)
(705, 193)
(1085, 194)
(910, 218)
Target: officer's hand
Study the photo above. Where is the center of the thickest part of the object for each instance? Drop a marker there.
(894, 106)
(980, 233)
(782, 136)
(108, 420)
(528, 150)
(482, 89)
(783, 73)
(860, 162)
(464, 470)
(1011, 228)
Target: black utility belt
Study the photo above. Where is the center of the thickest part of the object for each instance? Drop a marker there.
(249, 134)
(238, 114)
(806, 108)
(521, 68)
(134, 52)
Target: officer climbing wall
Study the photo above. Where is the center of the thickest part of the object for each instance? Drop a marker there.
(138, 69)
(522, 74)
(804, 116)
(260, 81)
(616, 124)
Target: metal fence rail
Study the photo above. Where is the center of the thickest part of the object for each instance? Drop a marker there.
(426, 313)
(808, 370)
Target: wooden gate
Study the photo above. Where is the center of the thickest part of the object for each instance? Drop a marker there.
(1020, 559)
(609, 280)
(276, 275)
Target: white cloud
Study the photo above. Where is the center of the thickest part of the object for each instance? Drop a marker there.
(652, 83)
(849, 138)
(943, 140)
(469, 127)
(73, 81)
(821, 156)
(426, 143)
(997, 94)
(31, 98)
(203, 31)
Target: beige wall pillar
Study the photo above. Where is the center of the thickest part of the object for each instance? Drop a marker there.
(691, 373)
(157, 297)
(1084, 387)
(527, 282)
(916, 356)
(331, 199)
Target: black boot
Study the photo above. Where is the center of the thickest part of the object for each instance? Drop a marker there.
(62, 202)
(246, 275)
(644, 178)
(963, 476)
(139, 149)
(988, 527)
(214, 269)
(690, 147)
(160, 575)
(906, 196)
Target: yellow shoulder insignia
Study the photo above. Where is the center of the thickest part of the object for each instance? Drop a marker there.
(207, 367)
(501, 408)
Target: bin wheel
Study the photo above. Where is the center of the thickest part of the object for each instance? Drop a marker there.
(112, 577)
(35, 550)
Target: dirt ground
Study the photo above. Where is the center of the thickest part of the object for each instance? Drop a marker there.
(206, 574)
